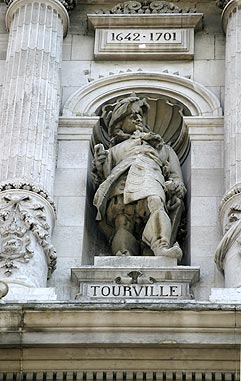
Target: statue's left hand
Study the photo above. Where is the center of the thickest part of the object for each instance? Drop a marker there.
(176, 188)
(180, 190)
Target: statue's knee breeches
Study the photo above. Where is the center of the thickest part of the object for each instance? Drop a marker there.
(155, 203)
(120, 215)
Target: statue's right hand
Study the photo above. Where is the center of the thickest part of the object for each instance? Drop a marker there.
(100, 155)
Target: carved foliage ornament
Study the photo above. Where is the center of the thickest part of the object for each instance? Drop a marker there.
(23, 220)
(145, 7)
(222, 3)
(68, 4)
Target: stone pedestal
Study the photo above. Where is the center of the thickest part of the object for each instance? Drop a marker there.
(21, 294)
(146, 279)
(225, 295)
(29, 114)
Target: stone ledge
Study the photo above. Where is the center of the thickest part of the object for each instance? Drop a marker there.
(59, 324)
(178, 273)
(76, 128)
(158, 20)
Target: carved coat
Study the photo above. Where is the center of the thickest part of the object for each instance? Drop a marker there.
(135, 169)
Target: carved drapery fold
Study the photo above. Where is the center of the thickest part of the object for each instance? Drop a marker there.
(227, 257)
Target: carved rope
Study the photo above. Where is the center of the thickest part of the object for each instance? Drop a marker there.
(68, 4)
(145, 7)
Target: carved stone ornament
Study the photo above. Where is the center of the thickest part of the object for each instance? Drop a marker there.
(228, 253)
(22, 225)
(232, 235)
(68, 4)
(145, 7)
(21, 185)
(135, 277)
(222, 3)
(3, 289)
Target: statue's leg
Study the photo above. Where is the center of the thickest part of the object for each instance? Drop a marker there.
(157, 232)
(124, 242)
(122, 218)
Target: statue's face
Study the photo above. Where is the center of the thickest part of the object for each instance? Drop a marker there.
(132, 123)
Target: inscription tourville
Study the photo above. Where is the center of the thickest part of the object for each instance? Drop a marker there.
(156, 290)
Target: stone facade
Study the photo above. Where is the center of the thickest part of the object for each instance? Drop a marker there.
(80, 71)
(70, 309)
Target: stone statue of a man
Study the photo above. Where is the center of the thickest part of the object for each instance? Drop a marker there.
(139, 181)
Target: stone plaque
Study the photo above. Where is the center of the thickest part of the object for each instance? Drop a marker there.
(155, 43)
(135, 291)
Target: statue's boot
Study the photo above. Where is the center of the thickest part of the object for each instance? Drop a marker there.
(171, 252)
(157, 234)
(124, 243)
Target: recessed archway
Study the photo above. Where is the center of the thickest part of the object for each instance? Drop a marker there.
(196, 100)
(192, 95)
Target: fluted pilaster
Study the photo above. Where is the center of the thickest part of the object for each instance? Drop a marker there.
(31, 97)
(232, 119)
(29, 113)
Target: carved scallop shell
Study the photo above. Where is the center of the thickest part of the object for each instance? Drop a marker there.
(164, 117)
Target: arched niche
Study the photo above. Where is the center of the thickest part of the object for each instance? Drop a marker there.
(196, 101)
(192, 95)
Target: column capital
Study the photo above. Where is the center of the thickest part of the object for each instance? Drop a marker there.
(228, 6)
(60, 6)
(68, 4)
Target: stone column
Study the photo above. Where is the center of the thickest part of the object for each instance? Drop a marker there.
(228, 256)
(29, 112)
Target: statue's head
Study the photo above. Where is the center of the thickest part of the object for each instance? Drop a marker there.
(126, 115)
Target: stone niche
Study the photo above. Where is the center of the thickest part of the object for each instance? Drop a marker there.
(193, 124)
(103, 276)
